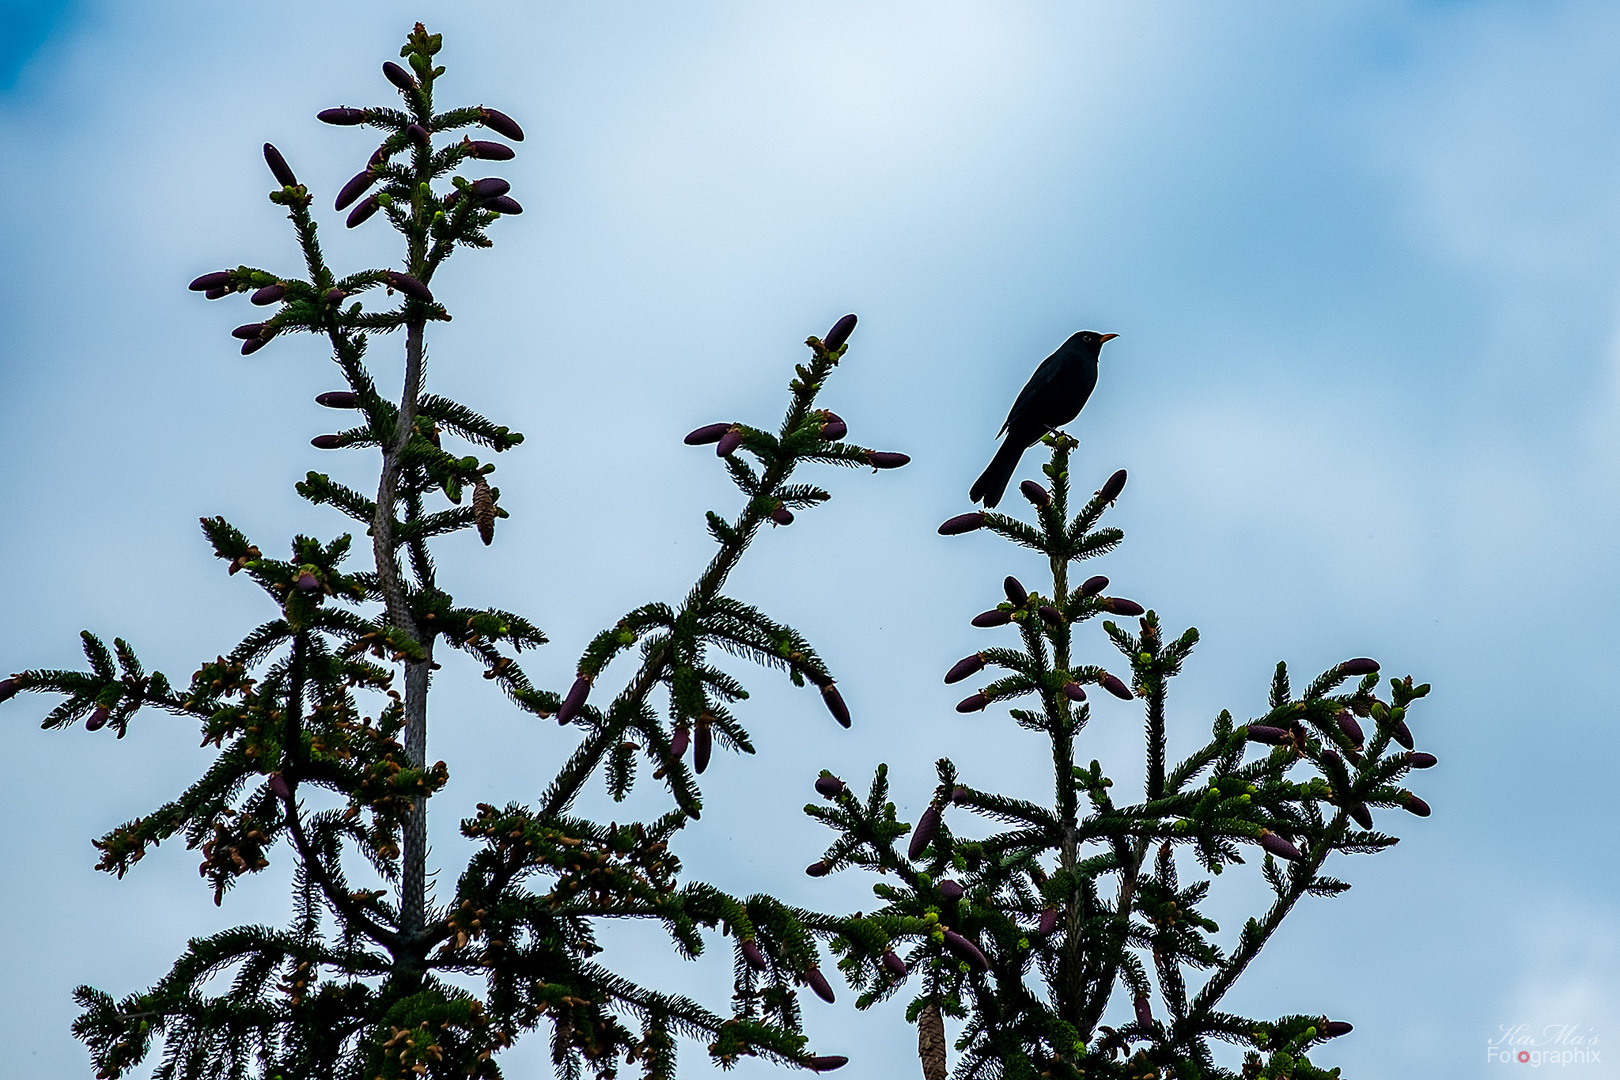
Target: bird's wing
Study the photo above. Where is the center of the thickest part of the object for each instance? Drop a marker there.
(1032, 391)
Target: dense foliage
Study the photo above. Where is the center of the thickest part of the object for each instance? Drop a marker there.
(319, 716)
(319, 722)
(1026, 934)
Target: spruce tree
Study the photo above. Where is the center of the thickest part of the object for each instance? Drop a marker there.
(320, 715)
(1027, 934)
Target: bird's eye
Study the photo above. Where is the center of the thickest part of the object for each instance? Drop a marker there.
(1088, 337)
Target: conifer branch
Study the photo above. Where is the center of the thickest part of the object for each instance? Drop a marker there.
(1104, 915)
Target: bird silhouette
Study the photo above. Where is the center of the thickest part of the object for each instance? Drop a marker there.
(1054, 395)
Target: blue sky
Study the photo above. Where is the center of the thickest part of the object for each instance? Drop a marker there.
(1363, 258)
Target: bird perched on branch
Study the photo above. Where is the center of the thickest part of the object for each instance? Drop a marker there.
(1054, 395)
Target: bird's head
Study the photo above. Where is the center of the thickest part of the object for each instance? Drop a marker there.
(1091, 337)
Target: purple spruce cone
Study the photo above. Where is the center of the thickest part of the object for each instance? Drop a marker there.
(1359, 666)
(1049, 921)
(951, 890)
(1332, 1029)
(278, 167)
(923, 834)
(835, 704)
(1414, 805)
(342, 117)
(575, 700)
(1360, 815)
(1093, 585)
(338, 399)
(1051, 615)
(833, 427)
(829, 786)
(702, 745)
(398, 76)
(488, 188)
(728, 443)
(1074, 691)
(217, 280)
(1421, 760)
(1113, 486)
(98, 719)
(248, 331)
(1035, 494)
(328, 442)
(1120, 606)
(962, 523)
(885, 459)
(1144, 1011)
(968, 665)
(839, 333)
(818, 983)
(504, 204)
(752, 955)
(1279, 847)
(679, 740)
(418, 134)
(218, 292)
(966, 950)
(355, 188)
(500, 123)
(826, 1062)
(1112, 684)
(818, 868)
(308, 583)
(1402, 734)
(895, 965)
(993, 617)
(708, 433)
(9, 688)
(1276, 736)
(1351, 729)
(1016, 593)
(270, 294)
(408, 285)
(362, 212)
(488, 151)
(782, 516)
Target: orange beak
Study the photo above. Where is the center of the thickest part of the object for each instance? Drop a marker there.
(1109, 337)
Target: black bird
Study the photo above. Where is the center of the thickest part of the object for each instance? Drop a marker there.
(1054, 395)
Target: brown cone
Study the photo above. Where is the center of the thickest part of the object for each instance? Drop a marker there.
(483, 506)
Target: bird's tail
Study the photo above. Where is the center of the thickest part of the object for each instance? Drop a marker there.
(993, 481)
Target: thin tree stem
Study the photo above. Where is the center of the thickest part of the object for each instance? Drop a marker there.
(413, 868)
